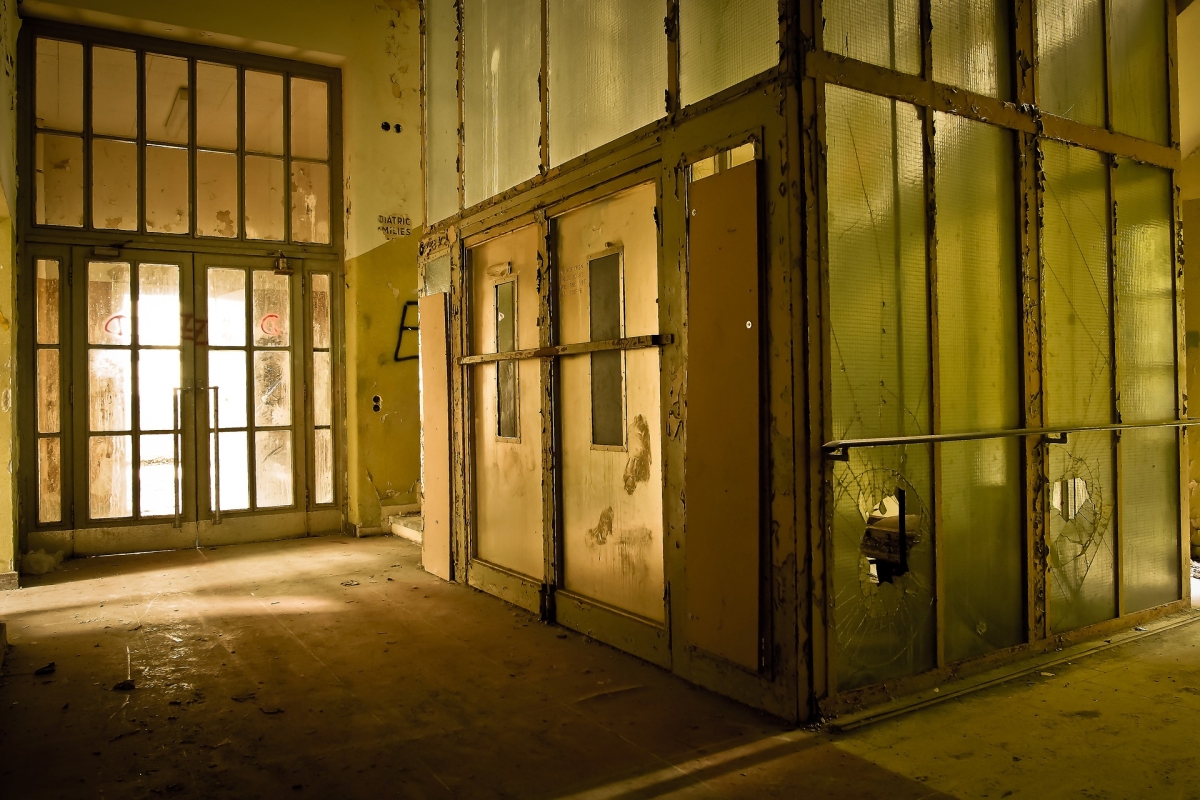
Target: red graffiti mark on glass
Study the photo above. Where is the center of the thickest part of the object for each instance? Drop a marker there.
(117, 321)
(269, 324)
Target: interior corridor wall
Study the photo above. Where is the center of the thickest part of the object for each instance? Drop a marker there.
(9, 25)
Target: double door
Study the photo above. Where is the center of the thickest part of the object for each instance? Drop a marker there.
(182, 399)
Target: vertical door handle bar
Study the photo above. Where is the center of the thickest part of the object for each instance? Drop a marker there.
(175, 434)
(216, 431)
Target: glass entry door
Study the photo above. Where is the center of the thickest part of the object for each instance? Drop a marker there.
(171, 406)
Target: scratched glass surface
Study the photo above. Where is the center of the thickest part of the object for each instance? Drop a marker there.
(114, 185)
(323, 461)
(724, 42)
(310, 202)
(322, 302)
(58, 180)
(49, 480)
(48, 294)
(980, 387)
(58, 95)
(108, 312)
(1078, 386)
(1141, 98)
(1148, 503)
(49, 396)
(110, 477)
(879, 335)
(881, 32)
(216, 194)
(156, 472)
(1071, 59)
(272, 304)
(272, 388)
(158, 304)
(226, 307)
(273, 468)
(158, 376)
(971, 45)
(322, 389)
(110, 390)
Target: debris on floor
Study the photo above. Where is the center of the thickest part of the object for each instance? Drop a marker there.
(39, 562)
(46, 670)
(124, 686)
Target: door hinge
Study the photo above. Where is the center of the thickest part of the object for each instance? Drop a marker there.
(70, 274)
(71, 395)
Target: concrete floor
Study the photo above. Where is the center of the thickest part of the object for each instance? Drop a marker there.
(260, 673)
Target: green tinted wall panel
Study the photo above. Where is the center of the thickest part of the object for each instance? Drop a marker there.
(1141, 99)
(1070, 76)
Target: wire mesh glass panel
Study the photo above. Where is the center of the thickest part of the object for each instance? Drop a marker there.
(1141, 98)
(114, 92)
(1146, 379)
(879, 339)
(167, 207)
(216, 106)
(441, 109)
(1078, 386)
(979, 362)
(216, 194)
(167, 99)
(114, 184)
(502, 111)
(58, 95)
(608, 72)
(724, 42)
(971, 45)
(58, 180)
(1071, 59)
(881, 32)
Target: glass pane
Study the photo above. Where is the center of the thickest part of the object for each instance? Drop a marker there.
(1149, 459)
(114, 92)
(167, 99)
(1139, 69)
(881, 32)
(272, 304)
(264, 112)
(167, 208)
(47, 301)
(59, 90)
(158, 377)
(322, 389)
(49, 480)
(216, 106)
(108, 303)
(157, 475)
(234, 458)
(1078, 387)
(114, 185)
(110, 390)
(310, 202)
(110, 476)
(49, 395)
(264, 198)
(273, 468)
(724, 42)
(58, 165)
(323, 461)
(227, 371)
(500, 84)
(272, 388)
(1071, 59)
(226, 307)
(884, 624)
(321, 300)
(979, 358)
(971, 48)
(158, 304)
(216, 194)
(441, 109)
(310, 119)
(608, 73)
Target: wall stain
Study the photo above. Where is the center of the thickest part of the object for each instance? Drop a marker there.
(603, 529)
(637, 468)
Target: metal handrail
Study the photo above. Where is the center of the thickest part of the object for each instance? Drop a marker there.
(839, 450)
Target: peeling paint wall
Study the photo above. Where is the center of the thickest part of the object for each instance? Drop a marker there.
(9, 25)
(1191, 280)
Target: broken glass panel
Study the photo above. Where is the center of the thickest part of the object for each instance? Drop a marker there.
(608, 72)
(881, 32)
(310, 119)
(48, 289)
(156, 472)
(272, 305)
(59, 94)
(272, 388)
(216, 194)
(216, 106)
(441, 109)
(114, 92)
(980, 387)
(1148, 506)
(264, 112)
(879, 340)
(273, 468)
(49, 396)
(503, 120)
(158, 377)
(167, 209)
(1078, 386)
(235, 470)
(1071, 59)
(114, 185)
(310, 202)
(49, 480)
(1141, 99)
(226, 307)
(971, 47)
(167, 99)
(264, 198)
(110, 476)
(58, 165)
(323, 460)
(724, 42)
(108, 303)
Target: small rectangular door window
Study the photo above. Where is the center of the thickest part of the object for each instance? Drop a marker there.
(506, 371)
(608, 367)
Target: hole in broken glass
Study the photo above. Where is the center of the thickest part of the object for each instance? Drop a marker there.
(891, 533)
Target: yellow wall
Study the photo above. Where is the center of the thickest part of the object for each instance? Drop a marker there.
(9, 24)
